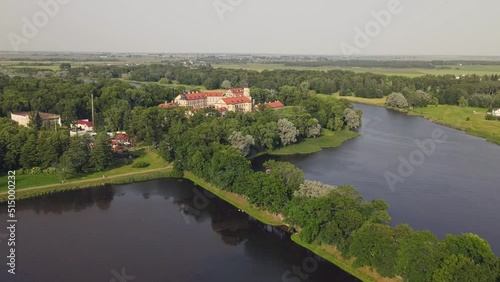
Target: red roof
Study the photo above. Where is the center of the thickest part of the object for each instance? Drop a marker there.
(85, 122)
(167, 105)
(275, 104)
(214, 94)
(196, 96)
(203, 95)
(236, 100)
(237, 90)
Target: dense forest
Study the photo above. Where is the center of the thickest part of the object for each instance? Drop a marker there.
(216, 148)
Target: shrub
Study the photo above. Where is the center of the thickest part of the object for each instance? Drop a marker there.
(140, 164)
(467, 118)
(35, 171)
(50, 171)
(397, 100)
(490, 117)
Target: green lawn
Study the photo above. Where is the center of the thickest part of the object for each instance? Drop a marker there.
(28, 181)
(330, 139)
(456, 117)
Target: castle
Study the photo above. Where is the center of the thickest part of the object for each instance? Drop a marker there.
(233, 100)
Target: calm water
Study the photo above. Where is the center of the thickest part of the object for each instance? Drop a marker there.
(456, 189)
(156, 231)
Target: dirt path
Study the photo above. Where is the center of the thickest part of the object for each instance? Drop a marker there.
(92, 180)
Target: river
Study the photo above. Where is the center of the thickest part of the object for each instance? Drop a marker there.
(165, 230)
(454, 189)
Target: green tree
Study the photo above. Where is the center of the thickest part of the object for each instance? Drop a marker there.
(101, 155)
(397, 100)
(287, 132)
(35, 121)
(226, 84)
(463, 102)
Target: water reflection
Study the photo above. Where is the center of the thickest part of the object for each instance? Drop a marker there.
(144, 228)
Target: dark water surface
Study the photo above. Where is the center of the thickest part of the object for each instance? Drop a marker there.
(455, 190)
(164, 230)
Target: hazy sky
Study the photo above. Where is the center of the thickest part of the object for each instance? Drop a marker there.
(421, 27)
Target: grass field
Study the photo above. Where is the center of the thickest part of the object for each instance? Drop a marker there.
(456, 117)
(29, 181)
(409, 72)
(330, 139)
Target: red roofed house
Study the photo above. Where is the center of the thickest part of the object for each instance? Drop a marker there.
(235, 104)
(85, 125)
(274, 105)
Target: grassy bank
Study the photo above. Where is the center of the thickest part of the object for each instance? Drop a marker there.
(34, 185)
(332, 255)
(117, 179)
(26, 181)
(451, 116)
(237, 201)
(329, 139)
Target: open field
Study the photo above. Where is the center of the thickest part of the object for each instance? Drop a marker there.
(409, 72)
(456, 117)
(329, 139)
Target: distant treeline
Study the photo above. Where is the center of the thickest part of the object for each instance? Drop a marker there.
(436, 64)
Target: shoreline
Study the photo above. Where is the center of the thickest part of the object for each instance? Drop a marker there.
(489, 137)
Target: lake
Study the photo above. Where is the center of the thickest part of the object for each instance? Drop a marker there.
(165, 230)
(454, 188)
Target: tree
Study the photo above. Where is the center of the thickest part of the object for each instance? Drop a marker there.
(65, 66)
(29, 153)
(313, 189)
(397, 100)
(375, 245)
(101, 155)
(287, 132)
(418, 257)
(287, 173)
(35, 121)
(352, 119)
(241, 142)
(463, 102)
(313, 128)
(75, 159)
(226, 84)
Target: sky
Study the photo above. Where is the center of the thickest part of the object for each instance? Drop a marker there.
(312, 27)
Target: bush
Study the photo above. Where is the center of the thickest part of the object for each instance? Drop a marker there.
(490, 117)
(397, 100)
(35, 171)
(50, 171)
(140, 164)
(467, 118)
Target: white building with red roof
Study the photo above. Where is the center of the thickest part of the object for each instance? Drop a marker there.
(274, 105)
(235, 104)
(235, 99)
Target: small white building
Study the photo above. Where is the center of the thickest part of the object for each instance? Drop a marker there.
(496, 112)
